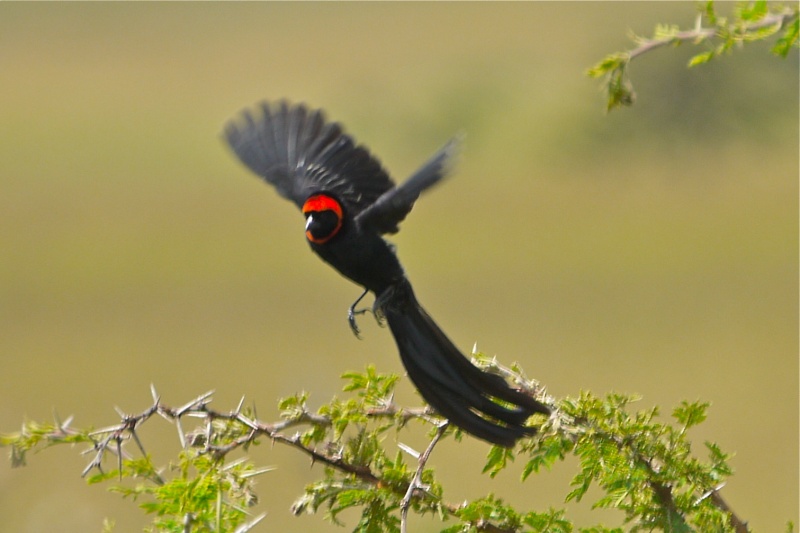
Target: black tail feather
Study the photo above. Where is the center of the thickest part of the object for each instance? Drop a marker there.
(448, 381)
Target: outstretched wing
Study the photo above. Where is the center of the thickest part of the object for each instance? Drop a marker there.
(297, 151)
(391, 208)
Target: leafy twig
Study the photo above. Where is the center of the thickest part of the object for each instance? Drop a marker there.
(751, 21)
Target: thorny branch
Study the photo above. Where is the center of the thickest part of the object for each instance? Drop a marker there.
(416, 481)
(110, 440)
(662, 491)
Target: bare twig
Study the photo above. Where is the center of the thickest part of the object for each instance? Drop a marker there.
(244, 528)
(416, 481)
(738, 524)
(188, 520)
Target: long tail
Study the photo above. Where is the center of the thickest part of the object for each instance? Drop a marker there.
(448, 381)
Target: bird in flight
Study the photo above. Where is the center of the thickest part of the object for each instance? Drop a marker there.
(349, 202)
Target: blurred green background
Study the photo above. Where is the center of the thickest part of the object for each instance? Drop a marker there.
(652, 250)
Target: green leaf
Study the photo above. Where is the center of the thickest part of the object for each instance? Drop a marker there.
(582, 481)
(789, 38)
(608, 64)
(497, 459)
(753, 11)
(691, 414)
(700, 59)
(745, 25)
(552, 521)
(710, 12)
(547, 451)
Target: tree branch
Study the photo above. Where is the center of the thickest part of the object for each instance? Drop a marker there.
(750, 22)
(588, 427)
(699, 33)
(251, 430)
(738, 524)
(416, 481)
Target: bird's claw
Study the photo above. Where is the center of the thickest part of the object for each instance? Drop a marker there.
(351, 315)
(351, 319)
(352, 312)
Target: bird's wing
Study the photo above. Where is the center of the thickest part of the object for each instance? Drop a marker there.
(392, 206)
(297, 151)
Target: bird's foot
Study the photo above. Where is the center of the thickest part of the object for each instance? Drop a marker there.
(351, 319)
(352, 312)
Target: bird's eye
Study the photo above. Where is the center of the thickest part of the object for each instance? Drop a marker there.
(323, 218)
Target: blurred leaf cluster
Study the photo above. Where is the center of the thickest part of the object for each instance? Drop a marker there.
(749, 22)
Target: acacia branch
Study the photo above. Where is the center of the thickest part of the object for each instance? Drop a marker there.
(662, 491)
(416, 481)
(699, 33)
(110, 439)
(218, 433)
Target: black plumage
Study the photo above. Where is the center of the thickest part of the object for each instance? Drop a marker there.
(349, 202)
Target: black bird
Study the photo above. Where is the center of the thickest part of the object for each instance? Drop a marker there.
(349, 202)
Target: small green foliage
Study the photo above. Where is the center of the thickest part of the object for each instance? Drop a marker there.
(750, 21)
(293, 407)
(618, 88)
(552, 520)
(476, 515)
(214, 494)
(752, 11)
(373, 387)
(643, 466)
(690, 414)
(789, 39)
(489, 510)
(666, 32)
(35, 435)
(379, 505)
(709, 11)
(201, 488)
(701, 58)
(550, 447)
(497, 459)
